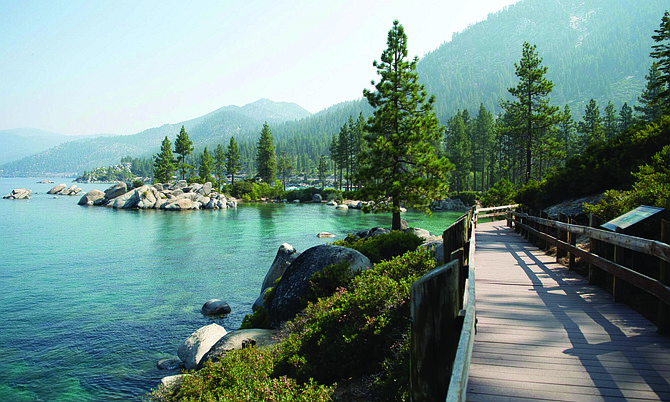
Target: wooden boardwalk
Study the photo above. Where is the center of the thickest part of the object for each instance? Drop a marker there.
(544, 333)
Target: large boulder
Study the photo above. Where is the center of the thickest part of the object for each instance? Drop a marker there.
(422, 233)
(126, 200)
(147, 197)
(236, 340)
(91, 197)
(18, 194)
(317, 198)
(115, 191)
(295, 282)
(215, 307)
(198, 343)
(285, 256)
(179, 204)
(57, 189)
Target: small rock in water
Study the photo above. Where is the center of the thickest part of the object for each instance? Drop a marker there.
(215, 307)
(170, 364)
(325, 234)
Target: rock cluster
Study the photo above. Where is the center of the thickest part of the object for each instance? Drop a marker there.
(448, 205)
(176, 196)
(63, 189)
(18, 194)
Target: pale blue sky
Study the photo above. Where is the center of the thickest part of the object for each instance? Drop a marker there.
(87, 67)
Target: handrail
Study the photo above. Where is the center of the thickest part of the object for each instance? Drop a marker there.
(639, 244)
(458, 384)
(654, 248)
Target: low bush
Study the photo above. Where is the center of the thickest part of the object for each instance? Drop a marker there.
(383, 247)
(244, 376)
(502, 193)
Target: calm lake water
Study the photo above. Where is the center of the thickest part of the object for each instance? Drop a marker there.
(93, 297)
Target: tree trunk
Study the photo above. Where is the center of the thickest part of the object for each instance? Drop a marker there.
(395, 223)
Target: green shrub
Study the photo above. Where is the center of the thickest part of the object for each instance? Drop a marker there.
(307, 194)
(324, 283)
(501, 193)
(137, 183)
(195, 179)
(245, 376)
(354, 331)
(382, 247)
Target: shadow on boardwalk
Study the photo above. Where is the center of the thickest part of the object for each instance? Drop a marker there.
(544, 333)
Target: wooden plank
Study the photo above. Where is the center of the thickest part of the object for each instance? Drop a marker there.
(545, 334)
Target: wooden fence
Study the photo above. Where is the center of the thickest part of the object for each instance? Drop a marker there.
(606, 256)
(444, 316)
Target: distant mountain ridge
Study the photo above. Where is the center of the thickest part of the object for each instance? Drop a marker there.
(593, 49)
(74, 157)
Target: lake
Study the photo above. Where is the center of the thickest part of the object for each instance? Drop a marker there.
(93, 297)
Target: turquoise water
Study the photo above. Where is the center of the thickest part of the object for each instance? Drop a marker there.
(92, 298)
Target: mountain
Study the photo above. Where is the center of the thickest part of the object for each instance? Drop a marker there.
(21, 142)
(73, 157)
(592, 48)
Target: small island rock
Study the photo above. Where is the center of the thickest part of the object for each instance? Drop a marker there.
(91, 197)
(18, 194)
(325, 234)
(215, 307)
(57, 189)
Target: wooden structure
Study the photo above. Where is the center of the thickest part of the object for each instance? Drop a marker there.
(545, 333)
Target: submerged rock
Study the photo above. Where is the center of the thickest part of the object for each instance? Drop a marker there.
(325, 234)
(170, 364)
(57, 189)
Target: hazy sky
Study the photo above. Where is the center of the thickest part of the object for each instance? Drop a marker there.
(87, 67)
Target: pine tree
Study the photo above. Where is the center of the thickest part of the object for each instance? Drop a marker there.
(591, 126)
(219, 165)
(164, 163)
(265, 156)
(650, 109)
(482, 141)
(566, 130)
(399, 164)
(206, 166)
(458, 149)
(336, 157)
(610, 126)
(625, 119)
(284, 167)
(322, 170)
(183, 146)
(661, 52)
(530, 112)
(233, 164)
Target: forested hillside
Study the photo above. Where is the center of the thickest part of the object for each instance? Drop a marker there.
(593, 49)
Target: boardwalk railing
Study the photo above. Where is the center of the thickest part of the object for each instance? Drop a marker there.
(608, 253)
(444, 316)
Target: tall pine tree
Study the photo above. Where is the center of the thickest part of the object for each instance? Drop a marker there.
(532, 116)
(164, 163)
(399, 164)
(183, 146)
(661, 52)
(265, 156)
(219, 165)
(206, 166)
(233, 164)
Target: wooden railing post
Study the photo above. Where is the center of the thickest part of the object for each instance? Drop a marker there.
(434, 333)
(562, 236)
(618, 284)
(573, 242)
(663, 308)
(594, 245)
